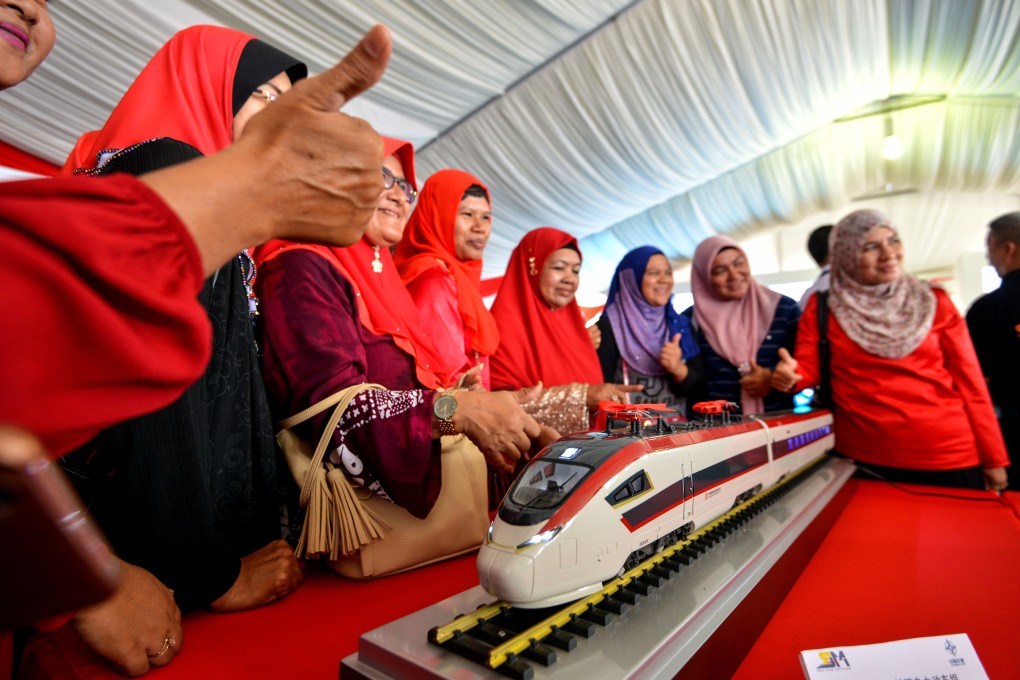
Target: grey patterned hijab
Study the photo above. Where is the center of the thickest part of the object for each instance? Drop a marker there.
(889, 319)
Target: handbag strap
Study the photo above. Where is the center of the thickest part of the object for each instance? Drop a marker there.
(341, 400)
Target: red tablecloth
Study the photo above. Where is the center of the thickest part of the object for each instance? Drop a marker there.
(895, 565)
(898, 565)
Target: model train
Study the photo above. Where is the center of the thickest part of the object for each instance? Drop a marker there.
(594, 504)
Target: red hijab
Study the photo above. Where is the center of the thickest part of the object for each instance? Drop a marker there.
(429, 237)
(384, 305)
(536, 342)
(189, 91)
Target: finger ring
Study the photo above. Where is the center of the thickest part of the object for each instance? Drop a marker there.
(167, 644)
(615, 397)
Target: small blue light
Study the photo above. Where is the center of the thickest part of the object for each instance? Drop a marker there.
(803, 398)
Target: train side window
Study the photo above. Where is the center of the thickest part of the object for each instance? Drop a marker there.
(634, 486)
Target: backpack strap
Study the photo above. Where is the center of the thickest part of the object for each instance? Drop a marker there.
(824, 395)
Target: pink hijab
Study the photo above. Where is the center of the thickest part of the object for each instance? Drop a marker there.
(734, 328)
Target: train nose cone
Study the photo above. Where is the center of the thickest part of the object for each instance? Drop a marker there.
(507, 575)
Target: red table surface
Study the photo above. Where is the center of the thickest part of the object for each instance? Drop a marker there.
(895, 565)
(898, 565)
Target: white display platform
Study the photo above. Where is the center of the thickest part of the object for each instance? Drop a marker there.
(654, 639)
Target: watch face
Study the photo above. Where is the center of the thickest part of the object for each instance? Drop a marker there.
(444, 407)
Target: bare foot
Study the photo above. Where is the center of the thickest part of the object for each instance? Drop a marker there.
(267, 574)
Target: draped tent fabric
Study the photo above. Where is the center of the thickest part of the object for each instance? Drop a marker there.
(623, 122)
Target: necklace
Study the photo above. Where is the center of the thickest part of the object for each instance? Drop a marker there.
(248, 278)
(377, 263)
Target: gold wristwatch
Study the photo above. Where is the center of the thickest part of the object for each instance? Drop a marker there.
(444, 408)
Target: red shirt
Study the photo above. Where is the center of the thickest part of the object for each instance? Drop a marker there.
(99, 317)
(435, 293)
(929, 410)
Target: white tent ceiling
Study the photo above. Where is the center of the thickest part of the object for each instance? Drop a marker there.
(624, 122)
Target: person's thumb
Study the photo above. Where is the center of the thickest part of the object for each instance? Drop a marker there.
(360, 69)
(675, 339)
(784, 356)
(526, 394)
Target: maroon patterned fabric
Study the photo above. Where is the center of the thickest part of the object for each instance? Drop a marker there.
(314, 345)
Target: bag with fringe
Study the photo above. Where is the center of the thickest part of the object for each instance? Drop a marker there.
(362, 535)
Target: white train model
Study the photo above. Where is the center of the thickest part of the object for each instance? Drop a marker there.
(594, 504)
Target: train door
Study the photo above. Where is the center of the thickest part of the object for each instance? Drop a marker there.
(687, 474)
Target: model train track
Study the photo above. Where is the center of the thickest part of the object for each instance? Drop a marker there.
(508, 639)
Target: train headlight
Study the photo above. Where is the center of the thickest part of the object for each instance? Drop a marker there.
(543, 537)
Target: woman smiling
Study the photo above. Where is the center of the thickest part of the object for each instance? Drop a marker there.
(740, 326)
(542, 334)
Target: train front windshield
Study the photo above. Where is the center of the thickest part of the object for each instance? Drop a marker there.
(544, 486)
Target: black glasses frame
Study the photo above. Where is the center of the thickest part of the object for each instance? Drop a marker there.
(389, 179)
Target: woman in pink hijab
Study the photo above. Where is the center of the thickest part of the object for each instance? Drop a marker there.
(740, 326)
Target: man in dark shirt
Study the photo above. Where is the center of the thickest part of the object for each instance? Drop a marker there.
(994, 323)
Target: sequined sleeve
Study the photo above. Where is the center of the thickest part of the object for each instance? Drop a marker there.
(563, 408)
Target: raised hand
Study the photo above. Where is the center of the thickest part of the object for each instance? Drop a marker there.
(758, 381)
(671, 358)
(784, 375)
(301, 169)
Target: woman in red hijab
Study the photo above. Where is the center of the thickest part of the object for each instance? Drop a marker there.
(542, 333)
(335, 317)
(189, 492)
(440, 261)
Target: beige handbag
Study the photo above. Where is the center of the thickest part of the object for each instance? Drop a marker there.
(366, 536)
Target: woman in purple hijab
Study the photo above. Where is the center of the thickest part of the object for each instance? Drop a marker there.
(644, 340)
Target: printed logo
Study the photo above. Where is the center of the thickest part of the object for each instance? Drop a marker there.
(833, 660)
(951, 649)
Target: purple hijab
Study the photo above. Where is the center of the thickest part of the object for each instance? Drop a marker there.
(642, 329)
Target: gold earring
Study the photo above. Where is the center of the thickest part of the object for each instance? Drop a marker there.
(531, 266)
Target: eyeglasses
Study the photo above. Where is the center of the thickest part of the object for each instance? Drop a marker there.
(389, 179)
(268, 95)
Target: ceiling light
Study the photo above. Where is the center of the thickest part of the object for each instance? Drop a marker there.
(892, 147)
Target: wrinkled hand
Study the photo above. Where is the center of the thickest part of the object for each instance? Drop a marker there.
(611, 392)
(497, 424)
(269, 573)
(130, 627)
(758, 382)
(471, 379)
(546, 436)
(784, 375)
(301, 170)
(996, 479)
(595, 334)
(671, 358)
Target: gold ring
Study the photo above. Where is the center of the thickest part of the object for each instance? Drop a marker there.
(167, 644)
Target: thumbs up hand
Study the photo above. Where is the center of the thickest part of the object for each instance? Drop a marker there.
(671, 358)
(784, 375)
(328, 164)
(302, 170)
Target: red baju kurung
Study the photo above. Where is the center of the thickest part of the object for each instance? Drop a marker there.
(99, 310)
